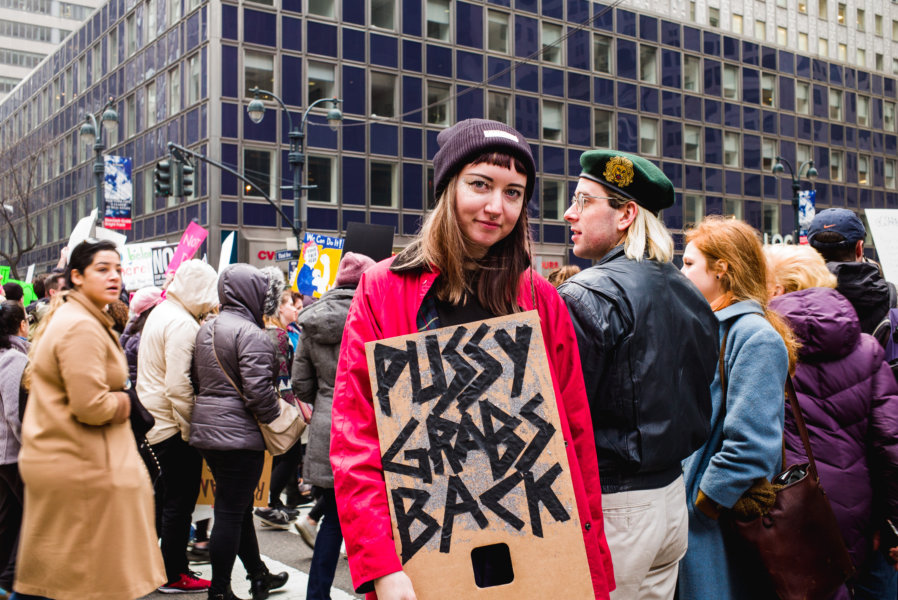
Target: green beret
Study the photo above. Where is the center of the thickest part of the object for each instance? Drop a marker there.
(632, 176)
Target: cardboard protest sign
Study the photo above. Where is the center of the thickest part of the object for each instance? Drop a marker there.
(227, 249)
(374, 241)
(476, 470)
(320, 259)
(82, 228)
(190, 242)
(4, 274)
(260, 496)
(884, 229)
(137, 265)
(162, 256)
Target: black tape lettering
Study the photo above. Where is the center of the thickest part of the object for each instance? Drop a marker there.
(464, 372)
(440, 432)
(540, 491)
(469, 438)
(492, 497)
(517, 351)
(406, 518)
(505, 436)
(422, 471)
(456, 489)
(539, 442)
(438, 376)
(492, 369)
(411, 350)
(387, 376)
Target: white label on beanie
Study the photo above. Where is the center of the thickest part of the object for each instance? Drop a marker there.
(499, 133)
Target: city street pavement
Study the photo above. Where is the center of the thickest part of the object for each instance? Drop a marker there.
(282, 551)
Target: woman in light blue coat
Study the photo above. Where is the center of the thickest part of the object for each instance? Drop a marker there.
(725, 260)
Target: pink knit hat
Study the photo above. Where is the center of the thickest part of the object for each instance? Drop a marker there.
(351, 268)
(145, 298)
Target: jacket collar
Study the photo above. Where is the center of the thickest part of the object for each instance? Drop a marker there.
(615, 253)
(738, 309)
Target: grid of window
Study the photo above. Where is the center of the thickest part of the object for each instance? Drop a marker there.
(18, 58)
(712, 109)
(25, 31)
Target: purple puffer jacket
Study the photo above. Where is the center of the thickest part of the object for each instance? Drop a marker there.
(849, 400)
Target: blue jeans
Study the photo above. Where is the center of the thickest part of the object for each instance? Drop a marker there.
(878, 581)
(327, 549)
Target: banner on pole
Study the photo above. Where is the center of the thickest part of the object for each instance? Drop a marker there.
(806, 211)
(118, 192)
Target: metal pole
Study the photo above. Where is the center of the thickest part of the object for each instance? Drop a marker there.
(796, 186)
(297, 160)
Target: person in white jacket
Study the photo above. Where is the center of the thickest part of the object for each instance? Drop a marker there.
(165, 389)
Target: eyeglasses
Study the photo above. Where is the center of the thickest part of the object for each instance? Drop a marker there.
(579, 200)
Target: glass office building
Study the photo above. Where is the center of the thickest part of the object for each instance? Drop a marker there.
(712, 107)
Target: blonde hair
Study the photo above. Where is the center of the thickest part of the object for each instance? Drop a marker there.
(441, 244)
(648, 232)
(744, 274)
(797, 268)
(56, 301)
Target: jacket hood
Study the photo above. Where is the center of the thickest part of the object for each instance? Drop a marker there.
(324, 321)
(823, 320)
(861, 283)
(194, 287)
(241, 290)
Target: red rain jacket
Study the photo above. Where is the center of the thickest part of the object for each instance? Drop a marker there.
(386, 305)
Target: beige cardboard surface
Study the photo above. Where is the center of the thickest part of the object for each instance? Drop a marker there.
(260, 496)
(473, 455)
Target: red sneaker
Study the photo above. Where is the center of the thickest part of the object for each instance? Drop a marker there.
(188, 583)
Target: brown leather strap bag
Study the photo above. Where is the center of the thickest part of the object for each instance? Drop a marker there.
(798, 541)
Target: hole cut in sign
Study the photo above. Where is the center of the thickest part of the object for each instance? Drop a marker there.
(492, 565)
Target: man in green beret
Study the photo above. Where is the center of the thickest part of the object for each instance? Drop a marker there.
(648, 344)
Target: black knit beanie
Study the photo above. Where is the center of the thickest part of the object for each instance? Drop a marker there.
(468, 139)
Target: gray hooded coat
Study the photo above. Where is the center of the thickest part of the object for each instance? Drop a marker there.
(314, 372)
(222, 419)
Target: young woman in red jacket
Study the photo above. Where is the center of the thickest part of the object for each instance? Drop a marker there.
(470, 261)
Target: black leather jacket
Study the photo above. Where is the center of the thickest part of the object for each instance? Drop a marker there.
(649, 348)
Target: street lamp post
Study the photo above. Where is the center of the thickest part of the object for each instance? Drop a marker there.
(810, 173)
(295, 157)
(92, 134)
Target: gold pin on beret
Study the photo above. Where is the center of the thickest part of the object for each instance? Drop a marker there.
(619, 171)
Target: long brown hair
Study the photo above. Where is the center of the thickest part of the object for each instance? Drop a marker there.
(441, 244)
(738, 245)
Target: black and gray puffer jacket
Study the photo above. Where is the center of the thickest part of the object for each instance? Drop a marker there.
(222, 419)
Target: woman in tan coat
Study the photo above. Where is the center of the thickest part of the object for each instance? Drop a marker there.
(88, 531)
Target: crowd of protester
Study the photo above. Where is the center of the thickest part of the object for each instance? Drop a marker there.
(669, 384)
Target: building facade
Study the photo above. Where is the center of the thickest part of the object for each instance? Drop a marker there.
(32, 29)
(711, 106)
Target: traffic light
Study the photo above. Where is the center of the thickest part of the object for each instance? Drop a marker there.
(186, 179)
(162, 178)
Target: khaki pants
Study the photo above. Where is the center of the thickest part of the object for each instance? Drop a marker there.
(647, 532)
